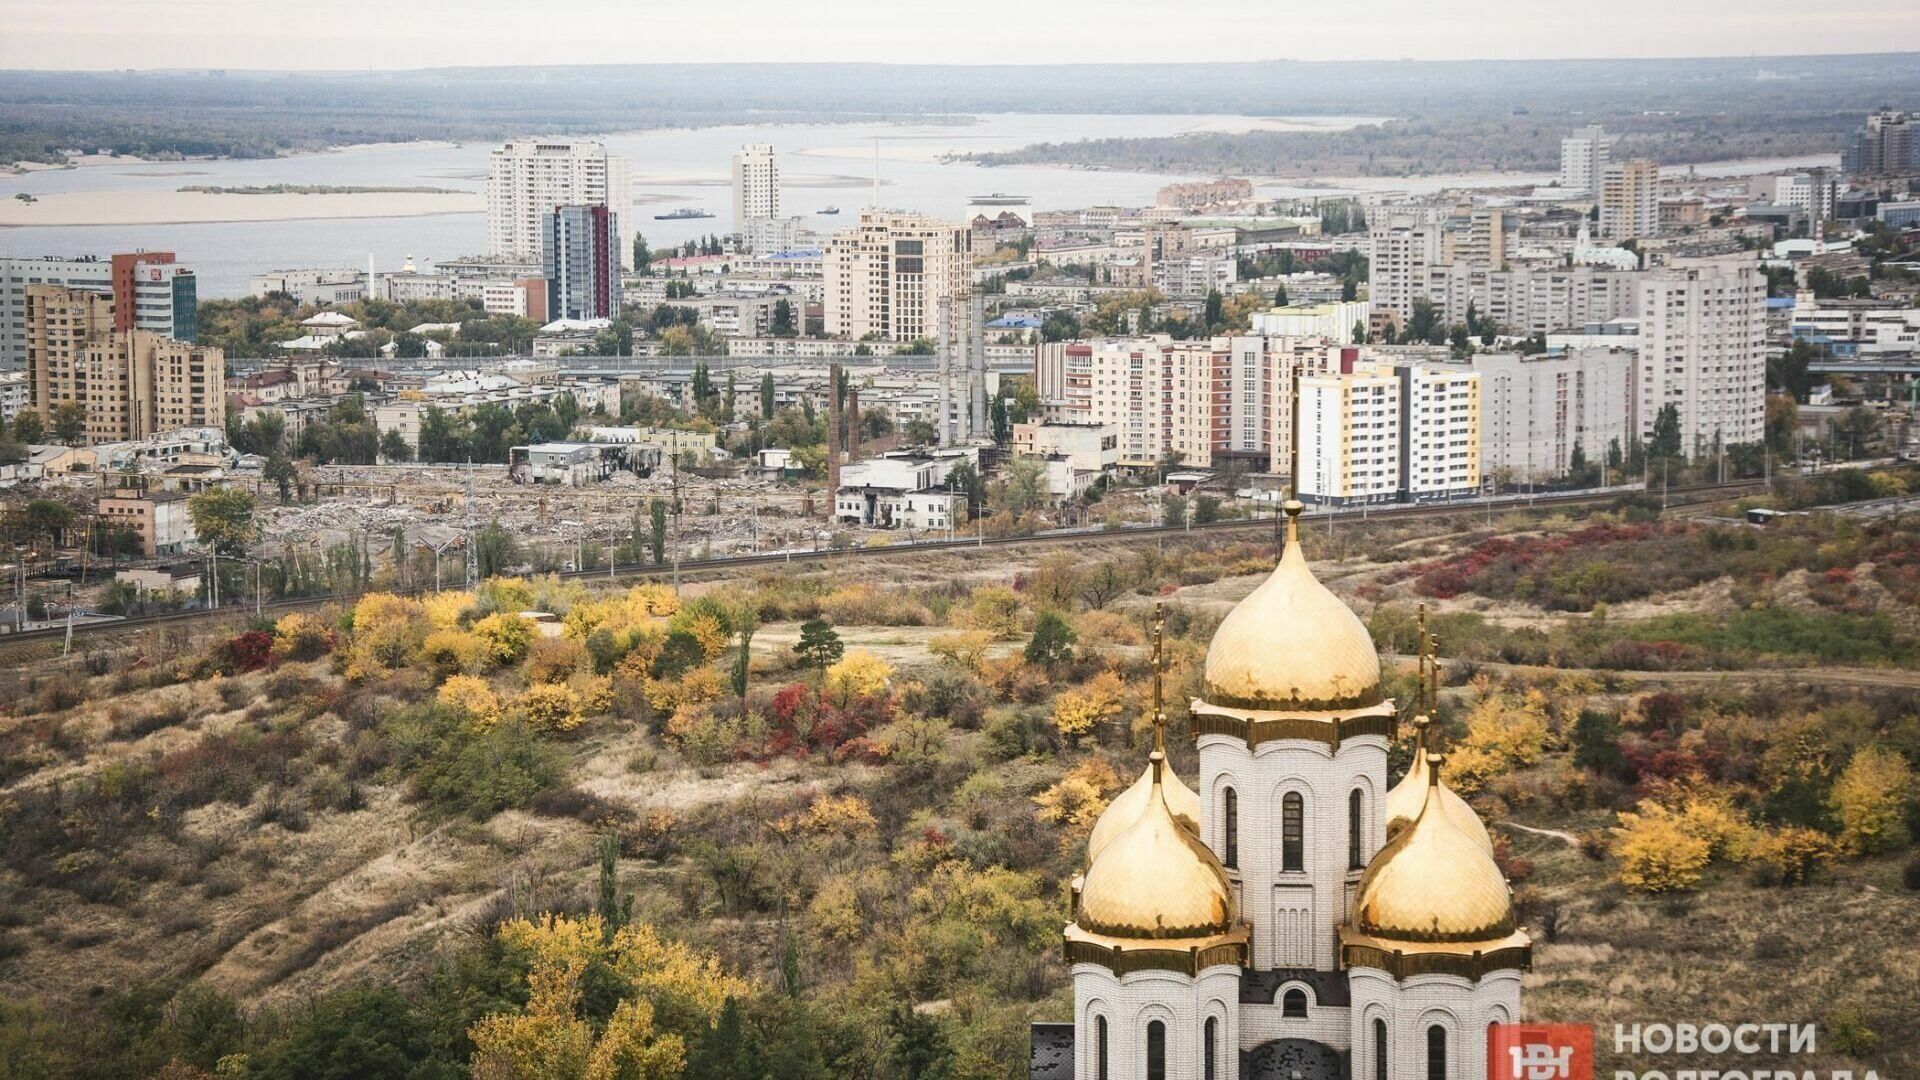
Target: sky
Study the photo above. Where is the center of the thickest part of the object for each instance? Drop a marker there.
(389, 34)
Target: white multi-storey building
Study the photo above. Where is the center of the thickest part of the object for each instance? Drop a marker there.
(1703, 350)
(1403, 254)
(1812, 193)
(1535, 409)
(756, 185)
(889, 276)
(526, 179)
(1584, 156)
(1388, 432)
(1291, 915)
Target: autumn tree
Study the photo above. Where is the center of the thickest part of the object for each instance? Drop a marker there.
(223, 519)
(1656, 854)
(1870, 800)
(1076, 712)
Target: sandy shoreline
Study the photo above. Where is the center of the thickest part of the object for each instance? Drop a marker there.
(195, 208)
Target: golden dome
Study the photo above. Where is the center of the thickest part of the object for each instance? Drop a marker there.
(1434, 883)
(1156, 880)
(1126, 808)
(1292, 644)
(1410, 794)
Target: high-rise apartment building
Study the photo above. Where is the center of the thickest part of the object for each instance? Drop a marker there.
(1884, 147)
(1403, 252)
(756, 185)
(527, 179)
(888, 276)
(1630, 199)
(131, 383)
(1389, 432)
(1584, 156)
(152, 292)
(580, 253)
(1703, 350)
(1537, 409)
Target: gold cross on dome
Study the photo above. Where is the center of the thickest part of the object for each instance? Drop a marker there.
(1159, 667)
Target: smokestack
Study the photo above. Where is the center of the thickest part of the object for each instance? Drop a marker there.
(833, 441)
(977, 368)
(853, 424)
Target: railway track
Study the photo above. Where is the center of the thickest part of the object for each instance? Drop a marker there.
(1675, 497)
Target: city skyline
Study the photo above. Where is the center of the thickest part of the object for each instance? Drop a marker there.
(275, 34)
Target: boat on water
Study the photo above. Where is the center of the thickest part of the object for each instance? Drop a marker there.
(999, 198)
(683, 214)
(829, 210)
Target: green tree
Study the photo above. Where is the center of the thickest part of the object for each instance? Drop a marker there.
(766, 396)
(642, 256)
(819, 646)
(393, 447)
(657, 515)
(782, 325)
(496, 552)
(27, 427)
(280, 473)
(223, 519)
(369, 1032)
(1052, 640)
(1666, 432)
(69, 423)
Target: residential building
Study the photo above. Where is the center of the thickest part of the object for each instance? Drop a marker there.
(151, 292)
(14, 395)
(524, 298)
(1333, 320)
(1090, 448)
(1477, 236)
(1584, 157)
(1884, 147)
(131, 383)
(1529, 300)
(1537, 409)
(581, 255)
(527, 179)
(158, 518)
(890, 276)
(324, 287)
(1404, 252)
(903, 491)
(1813, 193)
(756, 187)
(1378, 431)
(1703, 351)
(1630, 199)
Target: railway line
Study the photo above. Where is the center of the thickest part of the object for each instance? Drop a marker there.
(1674, 497)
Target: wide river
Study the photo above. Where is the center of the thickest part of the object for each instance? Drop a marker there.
(822, 166)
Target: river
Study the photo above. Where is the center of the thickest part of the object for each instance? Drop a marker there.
(822, 166)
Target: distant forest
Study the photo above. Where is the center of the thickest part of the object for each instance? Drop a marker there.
(1803, 103)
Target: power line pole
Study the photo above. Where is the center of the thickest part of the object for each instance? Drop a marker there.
(473, 551)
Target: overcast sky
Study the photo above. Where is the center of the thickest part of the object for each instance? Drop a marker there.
(362, 34)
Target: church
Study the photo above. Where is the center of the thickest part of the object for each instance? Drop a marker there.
(1289, 917)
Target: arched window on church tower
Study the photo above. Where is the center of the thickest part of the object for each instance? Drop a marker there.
(1230, 821)
(1379, 1049)
(1212, 1067)
(1294, 1005)
(1436, 1053)
(1100, 1048)
(1156, 1051)
(1292, 832)
(1356, 851)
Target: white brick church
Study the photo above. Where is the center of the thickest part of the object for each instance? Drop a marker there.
(1289, 918)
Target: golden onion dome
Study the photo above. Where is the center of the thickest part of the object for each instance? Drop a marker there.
(1292, 644)
(1126, 808)
(1156, 880)
(1434, 883)
(1410, 794)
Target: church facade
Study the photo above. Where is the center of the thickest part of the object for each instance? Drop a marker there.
(1289, 917)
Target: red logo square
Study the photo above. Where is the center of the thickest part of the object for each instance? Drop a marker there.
(1540, 1052)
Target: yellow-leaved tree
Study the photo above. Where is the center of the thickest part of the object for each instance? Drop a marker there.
(1656, 852)
(858, 674)
(1077, 800)
(550, 707)
(507, 635)
(388, 632)
(994, 610)
(473, 698)
(1870, 799)
(668, 991)
(1075, 712)
(1502, 734)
